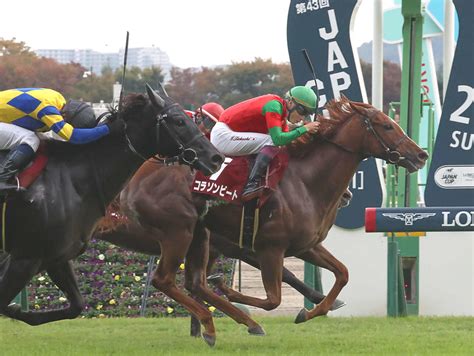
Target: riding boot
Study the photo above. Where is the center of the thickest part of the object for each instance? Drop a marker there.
(345, 199)
(253, 188)
(14, 161)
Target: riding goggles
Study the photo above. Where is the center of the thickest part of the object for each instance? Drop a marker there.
(303, 110)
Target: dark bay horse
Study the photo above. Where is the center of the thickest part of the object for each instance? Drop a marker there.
(294, 222)
(50, 224)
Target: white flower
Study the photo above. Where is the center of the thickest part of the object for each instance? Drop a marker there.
(41, 279)
(101, 257)
(62, 299)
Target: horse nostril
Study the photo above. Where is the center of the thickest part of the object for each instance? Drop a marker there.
(423, 156)
(217, 159)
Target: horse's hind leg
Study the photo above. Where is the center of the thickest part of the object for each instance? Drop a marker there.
(319, 256)
(271, 266)
(62, 274)
(195, 281)
(15, 275)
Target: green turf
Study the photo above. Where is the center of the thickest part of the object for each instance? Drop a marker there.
(169, 336)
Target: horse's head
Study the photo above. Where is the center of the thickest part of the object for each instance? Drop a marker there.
(384, 138)
(169, 132)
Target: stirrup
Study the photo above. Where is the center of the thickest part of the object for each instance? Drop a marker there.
(252, 194)
(6, 187)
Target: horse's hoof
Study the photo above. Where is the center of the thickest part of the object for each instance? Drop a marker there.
(301, 317)
(256, 330)
(215, 279)
(12, 310)
(210, 340)
(337, 304)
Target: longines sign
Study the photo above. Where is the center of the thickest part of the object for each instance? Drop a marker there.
(419, 219)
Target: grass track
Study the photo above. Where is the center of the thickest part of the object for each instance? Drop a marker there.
(169, 336)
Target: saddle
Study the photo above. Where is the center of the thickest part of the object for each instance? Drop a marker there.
(226, 186)
(31, 172)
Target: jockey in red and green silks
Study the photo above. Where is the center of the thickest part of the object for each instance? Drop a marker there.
(259, 126)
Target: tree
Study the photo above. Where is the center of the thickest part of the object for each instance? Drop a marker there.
(392, 76)
(12, 48)
(19, 67)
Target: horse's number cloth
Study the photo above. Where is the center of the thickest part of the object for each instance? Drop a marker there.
(227, 184)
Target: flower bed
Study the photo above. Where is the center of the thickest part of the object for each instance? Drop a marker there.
(112, 281)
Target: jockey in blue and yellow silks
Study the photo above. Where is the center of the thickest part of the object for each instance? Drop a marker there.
(24, 111)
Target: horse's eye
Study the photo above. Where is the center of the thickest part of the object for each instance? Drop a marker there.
(180, 122)
(388, 126)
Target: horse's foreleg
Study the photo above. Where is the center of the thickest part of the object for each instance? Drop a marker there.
(271, 266)
(173, 251)
(195, 282)
(319, 256)
(16, 273)
(311, 294)
(230, 249)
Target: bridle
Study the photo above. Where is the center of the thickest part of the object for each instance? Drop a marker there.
(185, 154)
(391, 154)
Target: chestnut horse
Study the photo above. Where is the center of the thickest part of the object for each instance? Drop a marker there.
(118, 230)
(51, 223)
(294, 222)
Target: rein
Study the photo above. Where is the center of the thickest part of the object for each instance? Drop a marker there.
(392, 155)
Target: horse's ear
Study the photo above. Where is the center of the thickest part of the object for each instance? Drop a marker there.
(359, 108)
(155, 98)
(162, 90)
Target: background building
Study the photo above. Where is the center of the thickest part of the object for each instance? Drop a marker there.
(144, 57)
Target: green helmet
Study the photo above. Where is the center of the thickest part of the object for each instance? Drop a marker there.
(304, 96)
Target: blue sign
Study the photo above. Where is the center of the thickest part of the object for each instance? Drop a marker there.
(322, 28)
(451, 175)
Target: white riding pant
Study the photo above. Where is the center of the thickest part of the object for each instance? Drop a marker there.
(233, 143)
(12, 136)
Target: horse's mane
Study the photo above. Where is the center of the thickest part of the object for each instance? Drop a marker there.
(133, 104)
(339, 111)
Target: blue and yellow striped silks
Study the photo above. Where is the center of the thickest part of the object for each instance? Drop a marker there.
(39, 109)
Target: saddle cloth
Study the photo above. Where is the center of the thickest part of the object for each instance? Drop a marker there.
(227, 184)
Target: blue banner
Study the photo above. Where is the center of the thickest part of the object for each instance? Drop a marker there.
(322, 27)
(451, 175)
